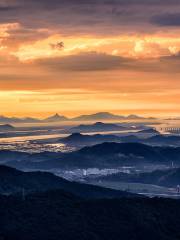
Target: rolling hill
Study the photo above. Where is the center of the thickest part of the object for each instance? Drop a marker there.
(13, 181)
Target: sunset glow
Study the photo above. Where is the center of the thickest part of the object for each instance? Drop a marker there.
(112, 57)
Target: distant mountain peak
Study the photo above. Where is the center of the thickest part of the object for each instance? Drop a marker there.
(98, 116)
(55, 118)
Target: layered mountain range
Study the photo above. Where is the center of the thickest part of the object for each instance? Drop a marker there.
(105, 155)
(56, 118)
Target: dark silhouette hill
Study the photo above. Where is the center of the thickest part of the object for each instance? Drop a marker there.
(59, 215)
(13, 181)
(79, 139)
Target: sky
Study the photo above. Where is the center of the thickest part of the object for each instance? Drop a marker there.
(83, 56)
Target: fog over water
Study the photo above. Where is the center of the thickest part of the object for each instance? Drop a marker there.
(24, 139)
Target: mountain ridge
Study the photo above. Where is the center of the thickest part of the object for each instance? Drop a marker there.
(56, 117)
